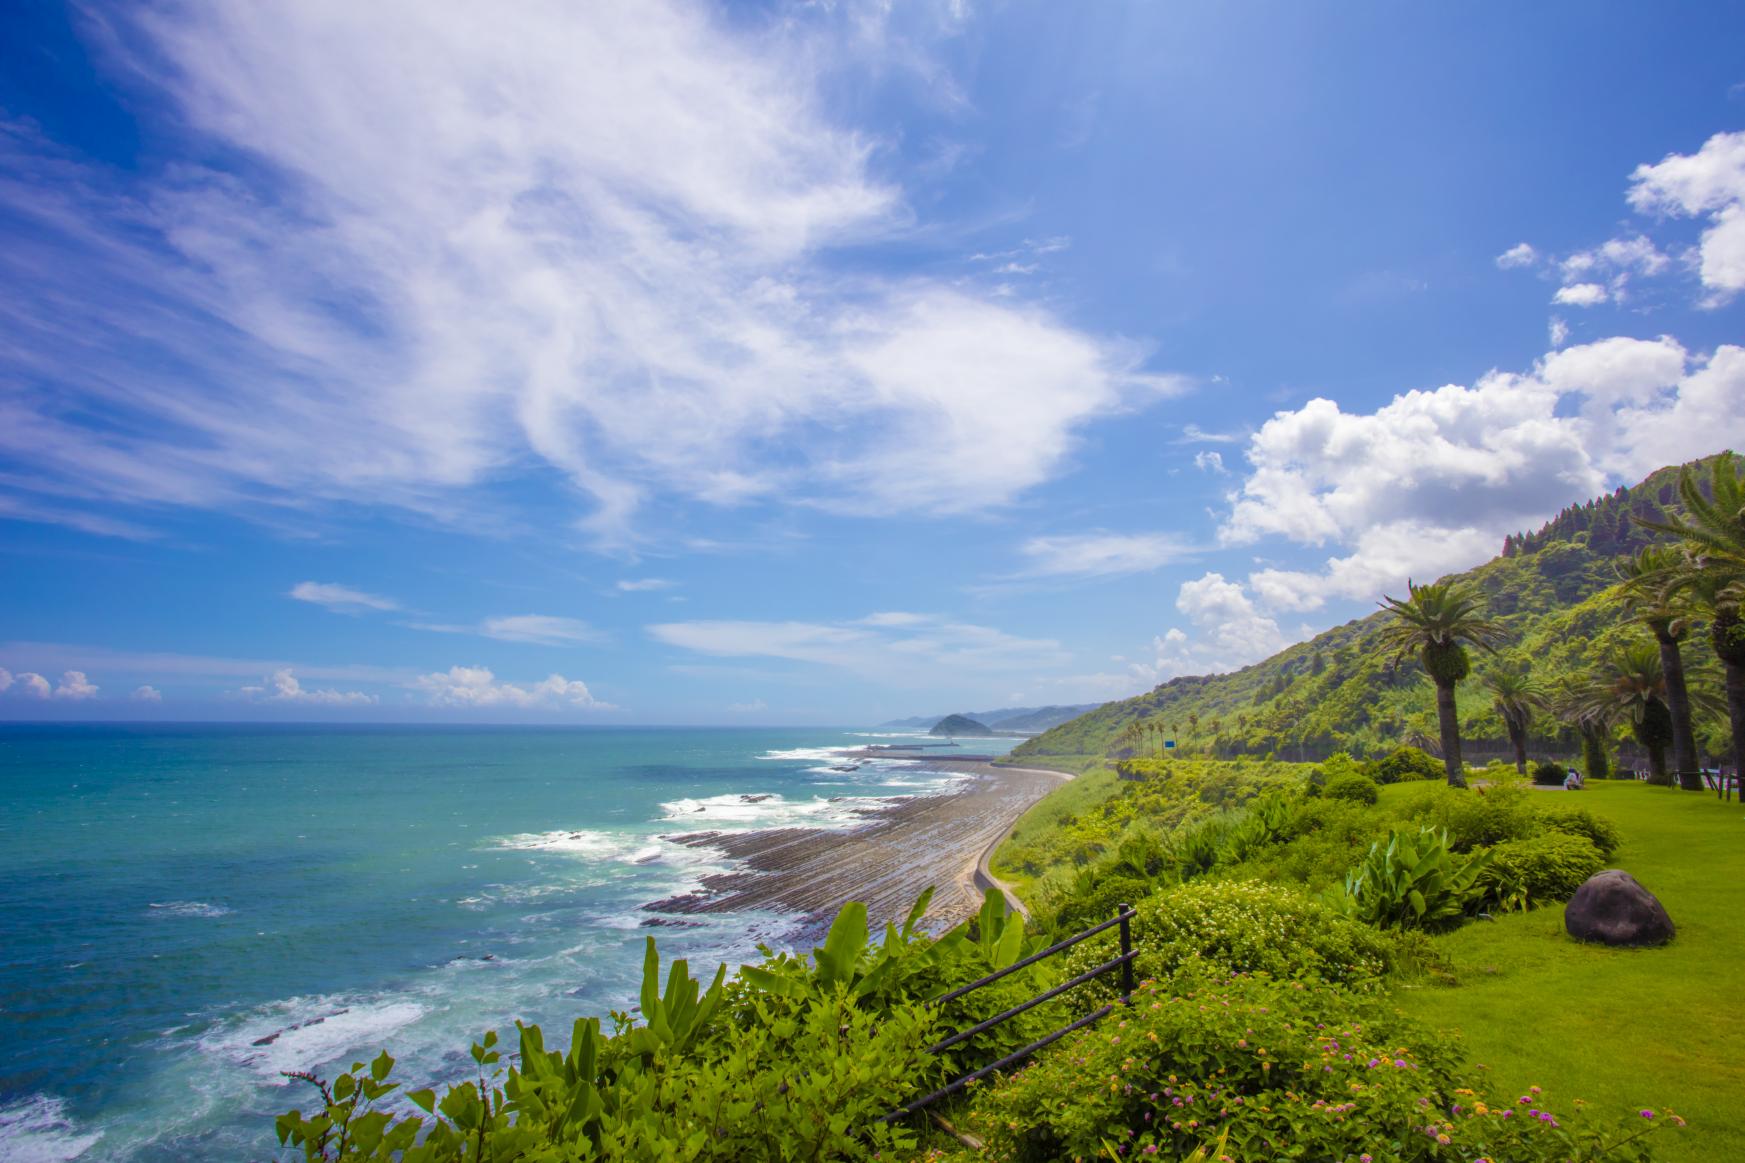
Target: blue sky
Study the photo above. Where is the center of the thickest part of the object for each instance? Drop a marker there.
(787, 363)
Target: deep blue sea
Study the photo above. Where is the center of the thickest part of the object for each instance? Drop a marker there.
(189, 910)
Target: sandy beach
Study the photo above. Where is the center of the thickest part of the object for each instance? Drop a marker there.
(938, 840)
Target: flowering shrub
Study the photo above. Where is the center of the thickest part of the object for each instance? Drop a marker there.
(1477, 817)
(1241, 927)
(1252, 1069)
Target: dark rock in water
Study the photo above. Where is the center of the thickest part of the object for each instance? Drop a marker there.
(1613, 909)
(669, 923)
(755, 799)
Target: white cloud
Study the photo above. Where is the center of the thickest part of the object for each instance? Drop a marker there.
(1557, 332)
(34, 685)
(1194, 434)
(644, 584)
(147, 694)
(476, 686)
(602, 237)
(1580, 295)
(539, 629)
(1210, 462)
(340, 599)
(911, 649)
(1100, 554)
(5, 679)
(1519, 255)
(1711, 183)
(752, 707)
(282, 686)
(1432, 481)
(74, 686)
(89, 658)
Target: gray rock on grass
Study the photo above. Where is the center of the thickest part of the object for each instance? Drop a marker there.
(1612, 908)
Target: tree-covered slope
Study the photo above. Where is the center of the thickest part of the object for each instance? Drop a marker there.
(1553, 591)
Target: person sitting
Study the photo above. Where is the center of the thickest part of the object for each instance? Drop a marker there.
(1572, 781)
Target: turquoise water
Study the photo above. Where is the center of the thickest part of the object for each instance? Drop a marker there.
(188, 910)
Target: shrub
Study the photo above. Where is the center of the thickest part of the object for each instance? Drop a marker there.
(1252, 1069)
(1097, 902)
(1549, 774)
(1476, 817)
(1358, 789)
(1241, 927)
(1404, 764)
(1544, 868)
(1581, 822)
(1413, 882)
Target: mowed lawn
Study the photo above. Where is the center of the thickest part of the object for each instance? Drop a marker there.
(1622, 1028)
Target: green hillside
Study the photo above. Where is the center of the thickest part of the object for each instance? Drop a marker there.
(1553, 590)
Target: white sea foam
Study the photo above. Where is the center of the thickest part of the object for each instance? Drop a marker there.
(37, 1129)
(625, 846)
(810, 754)
(746, 812)
(188, 909)
(302, 1033)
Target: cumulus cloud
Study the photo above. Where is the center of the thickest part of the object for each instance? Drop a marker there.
(1557, 332)
(606, 239)
(1431, 481)
(1710, 184)
(74, 686)
(477, 686)
(5, 679)
(340, 599)
(1581, 295)
(147, 694)
(282, 686)
(1100, 554)
(1520, 255)
(34, 685)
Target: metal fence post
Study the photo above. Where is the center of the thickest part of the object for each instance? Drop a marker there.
(1126, 948)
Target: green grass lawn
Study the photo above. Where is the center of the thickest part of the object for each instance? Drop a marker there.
(1622, 1028)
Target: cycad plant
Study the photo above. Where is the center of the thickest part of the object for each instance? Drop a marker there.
(1435, 621)
(1592, 720)
(1516, 695)
(1633, 685)
(1652, 580)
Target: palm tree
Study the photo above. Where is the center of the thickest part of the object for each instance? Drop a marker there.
(1516, 694)
(1651, 583)
(1713, 527)
(1434, 621)
(1633, 685)
(1591, 720)
(1720, 597)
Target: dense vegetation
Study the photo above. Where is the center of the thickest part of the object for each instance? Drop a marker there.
(1286, 914)
(1556, 594)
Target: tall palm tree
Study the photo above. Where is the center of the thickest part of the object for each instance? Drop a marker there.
(1516, 694)
(1633, 685)
(1720, 597)
(1713, 528)
(1591, 720)
(1435, 621)
(1652, 580)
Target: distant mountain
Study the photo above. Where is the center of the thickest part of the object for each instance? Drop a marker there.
(1005, 719)
(960, 725)
(1554, 592)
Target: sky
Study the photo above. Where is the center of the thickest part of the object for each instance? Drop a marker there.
(819, 363)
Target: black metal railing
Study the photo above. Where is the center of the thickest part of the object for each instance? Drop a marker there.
(1123, 917)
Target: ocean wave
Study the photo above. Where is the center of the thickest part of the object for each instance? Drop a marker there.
(303, 1033)
(627, 847)
(770, 810)
(809, 754)
(188, 909)
(37, 1129)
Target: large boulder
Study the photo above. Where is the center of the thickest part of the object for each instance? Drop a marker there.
(1611, 908)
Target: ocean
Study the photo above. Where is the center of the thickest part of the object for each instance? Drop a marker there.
(187, 911)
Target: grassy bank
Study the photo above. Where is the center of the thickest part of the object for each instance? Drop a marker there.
(1620, 1027)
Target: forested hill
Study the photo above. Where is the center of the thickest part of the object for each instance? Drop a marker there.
(1552, 589)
